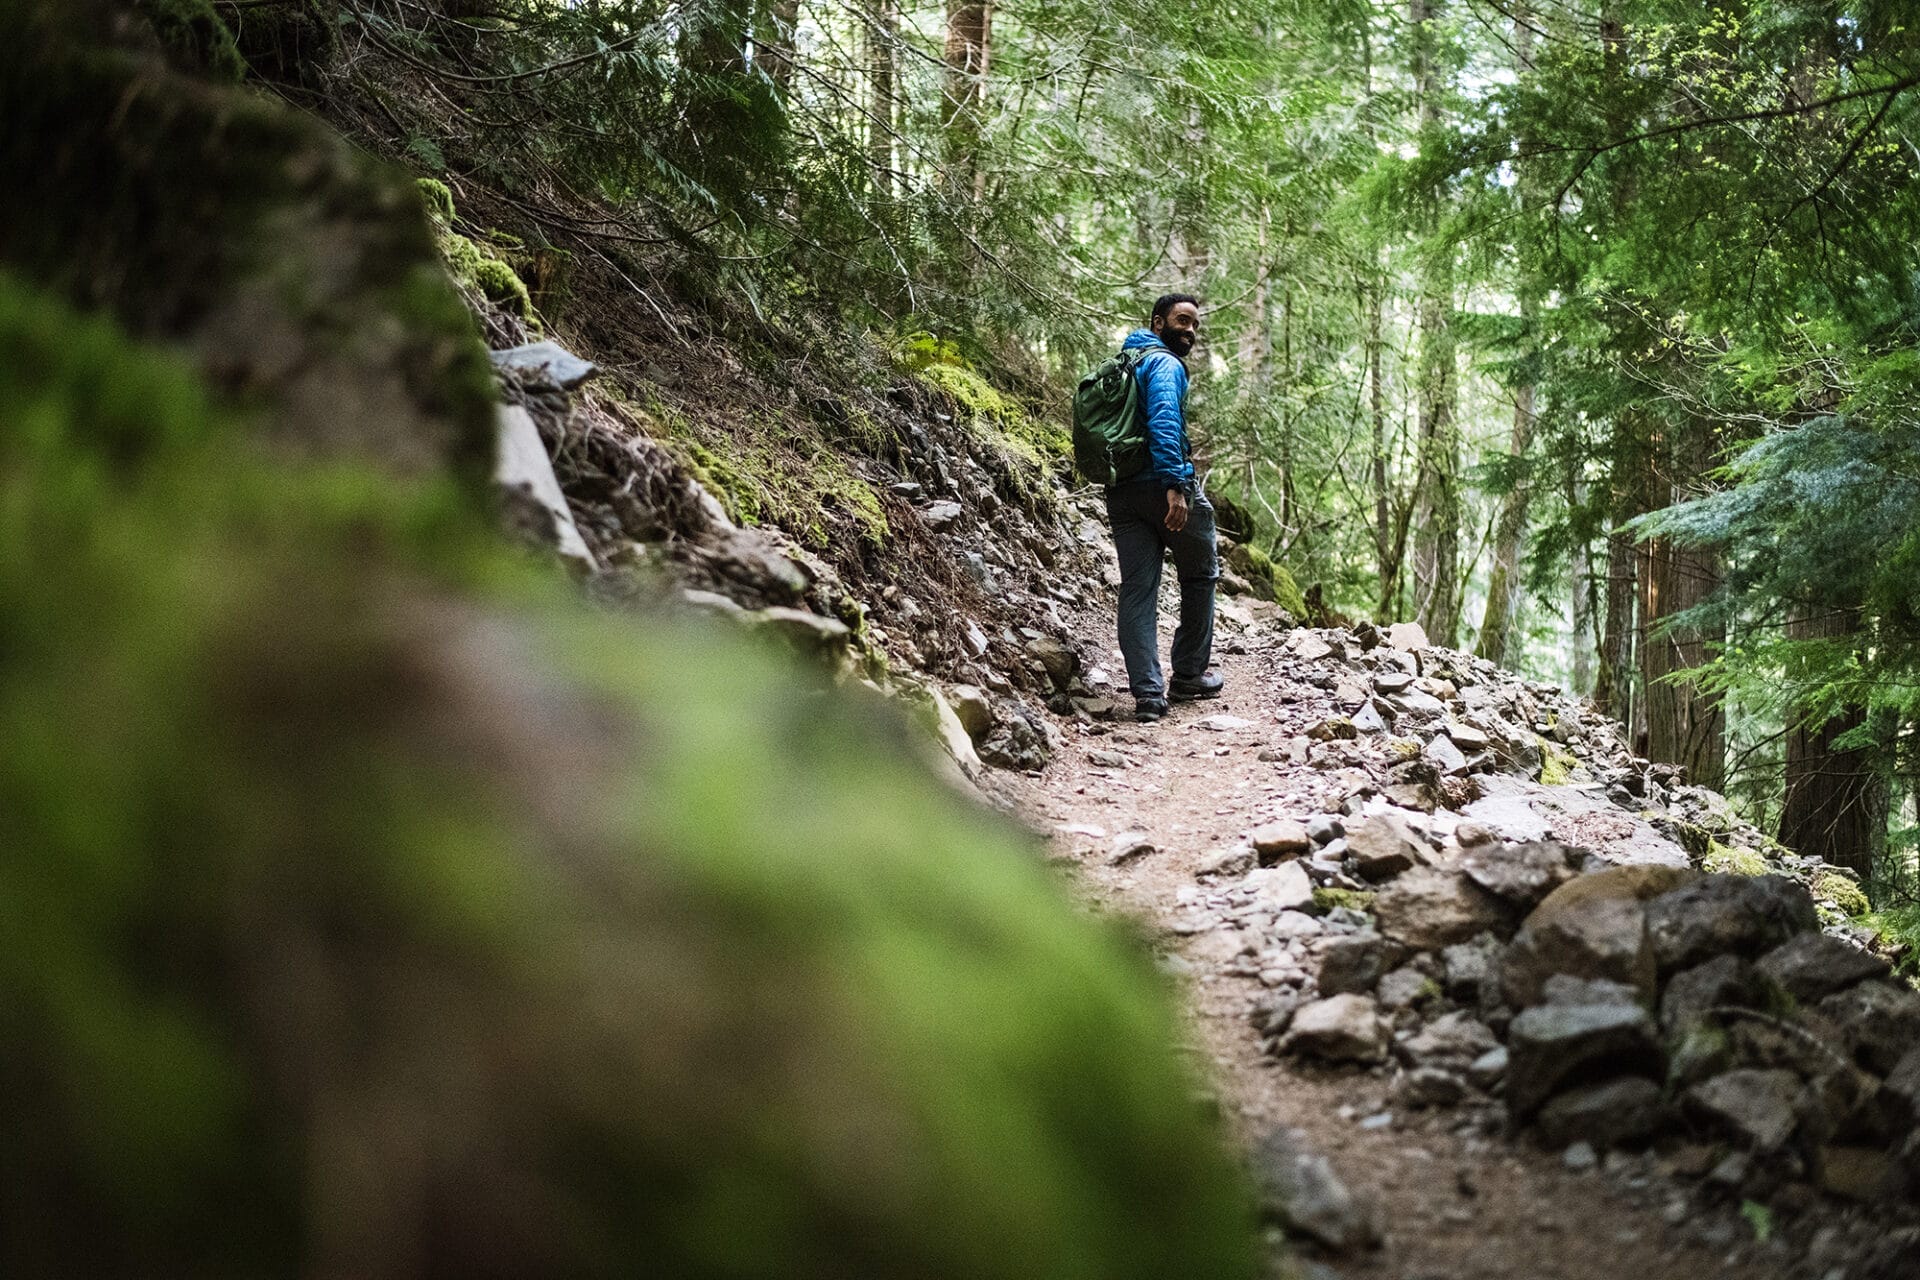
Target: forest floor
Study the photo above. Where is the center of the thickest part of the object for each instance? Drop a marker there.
(1453, 1201)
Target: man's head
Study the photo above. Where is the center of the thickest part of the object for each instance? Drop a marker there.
(1176, 321)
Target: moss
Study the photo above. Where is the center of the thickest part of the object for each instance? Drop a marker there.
(1843, 891)
(1357, 900)
(195, 37)
(437, 197)
(344, 826)
(1286, 592)
(1403, 749)
(1733, 860)
(475, 265)
(1557, 764)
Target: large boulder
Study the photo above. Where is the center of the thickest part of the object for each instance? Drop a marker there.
(1812, 966)
(1721, 983)
(1523, 874)
(1614, 1113)
(1879, 1022)
(1431, 908)
(1757, 1108)
(1718, 914)
(1591, 927)
(1552, 1047)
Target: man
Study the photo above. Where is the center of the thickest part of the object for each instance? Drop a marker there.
(1163, 511)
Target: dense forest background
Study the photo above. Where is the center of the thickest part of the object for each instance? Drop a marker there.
(1581, 333)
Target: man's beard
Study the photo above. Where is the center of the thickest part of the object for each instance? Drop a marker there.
(1181, 343)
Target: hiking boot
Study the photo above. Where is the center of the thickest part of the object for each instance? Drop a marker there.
(1185, 689)
(1149, 709)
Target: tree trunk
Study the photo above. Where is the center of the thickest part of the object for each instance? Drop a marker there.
(1437, 536)
(883, 35)
(1685, 725)
(774, 45)
(968, 50)
(1613, 683)
(1580, 571)
(1836, 802)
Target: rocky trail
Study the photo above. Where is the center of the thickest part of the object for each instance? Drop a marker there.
(1480, 993)
(1383, 1133)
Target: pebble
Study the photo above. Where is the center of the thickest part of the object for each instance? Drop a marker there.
(1580, 1157)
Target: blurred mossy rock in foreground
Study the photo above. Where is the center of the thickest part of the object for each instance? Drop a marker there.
(299, 274)
(369, 908)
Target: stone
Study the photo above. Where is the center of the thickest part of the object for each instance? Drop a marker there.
(1724, 981)
(1127, 846)
(1899, 1096)
(1107, 759)
(1467, 737)
(1393, 681)
(1523, 874)
(1866, 1175)
(1812, 966)
(1323, 828)
(1407, 636)
(1369, 719)
(1416, 703)
(1299, 1190)
(1334, 729)
(523, 469)
(1286, 887)
(1343, 1028)
(1428, 1087)
(1296, 924)
(1553, 1045)
(1563, 988)
(1758, 1109)
(973, 708)
(1272, 1013)
(1229, 860)
(1308, 647)
(547, 362)
(1060, 661)
(1615, 1113)
(1446, 757)
(1745, 915)
(1431, 908)
(1472, 834)
(1594, 926)
(1383, 845)
(1225, 724)
(1490, 1068)
(941, 516)
(1455, 1039)
(1878, 1021)
(1471, 969)
(1353, 964)
(808, 634)
(1281, 838)
(1404, 988)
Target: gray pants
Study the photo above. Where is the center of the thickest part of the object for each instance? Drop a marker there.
(1138, 514)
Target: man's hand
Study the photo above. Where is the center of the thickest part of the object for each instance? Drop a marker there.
(1176, 511)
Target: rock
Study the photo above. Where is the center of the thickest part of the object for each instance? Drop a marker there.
(1323, 828)
(1715, 914)
(808, 634)
(1428, 1087)
(1455, 1039)
(1286, 887)
(1219, 946)
(547, 362)
(1758, 1109)
(1471, 969)
(1225, 724)
(938, 715)
(1878, 1021)
(1900, 1093)
(941, 516)
(1552, 1045)
(1407, 636)
(1353, 964)
(1393, 681)
(1467, 737)
(1127, 846)
(973, 709)
(1564, 988)
(523, 469)
(1383, 845)
(1308, 647)
(1369, 719)
(1446, 757)
(1812, 966)
(1430, 908)
(1865, 1175)
(1107, 759)
(1617, 1113)
(1594, 926)
(1721, 982)
(1404, 988)
(1523, 874)
(1229, 860)
(1060, 661)
(1334, 729)
(1580, 1158)
(1490, 1068)
(1280, 838)
(1299, 1191)
(1272, 1013)
(1416, 703)
(1472, 834)
(1344, 1028)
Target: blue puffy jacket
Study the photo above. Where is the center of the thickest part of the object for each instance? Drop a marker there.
(1163, 389)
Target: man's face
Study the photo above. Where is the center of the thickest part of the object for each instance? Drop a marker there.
(1179, 328)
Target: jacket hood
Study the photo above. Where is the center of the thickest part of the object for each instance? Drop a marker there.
(1143, 338)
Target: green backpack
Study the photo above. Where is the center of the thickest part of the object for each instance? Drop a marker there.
(1109, 422)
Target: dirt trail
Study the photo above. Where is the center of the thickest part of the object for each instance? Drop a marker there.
(1455, 1201)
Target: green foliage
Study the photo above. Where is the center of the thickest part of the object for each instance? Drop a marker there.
(1326, 899)
(306, 925)
(196, 37)
(1844, 891)
(1722, 858)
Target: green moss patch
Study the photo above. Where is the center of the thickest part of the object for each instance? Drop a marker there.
(1732, 860)
(1843, 891)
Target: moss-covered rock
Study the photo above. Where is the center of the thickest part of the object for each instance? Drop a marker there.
(196, 37)
(426, 927)
(1843, 891)
(294, 270)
